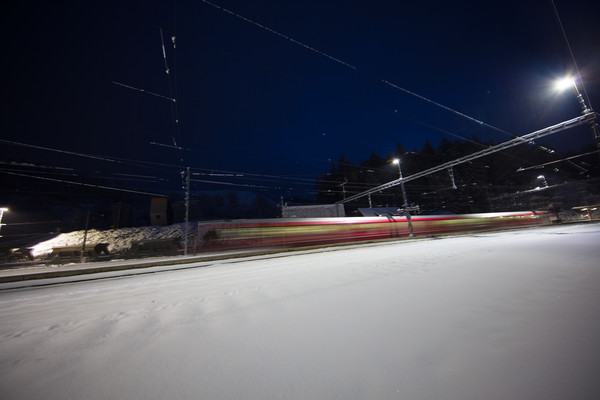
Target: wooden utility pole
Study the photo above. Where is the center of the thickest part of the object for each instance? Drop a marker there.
(87, 222)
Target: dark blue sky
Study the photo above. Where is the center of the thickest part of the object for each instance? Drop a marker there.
(286, 97)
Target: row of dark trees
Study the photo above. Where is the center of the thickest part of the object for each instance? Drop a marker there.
(505, 180)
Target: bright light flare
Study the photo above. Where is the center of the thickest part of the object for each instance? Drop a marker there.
(564, 84)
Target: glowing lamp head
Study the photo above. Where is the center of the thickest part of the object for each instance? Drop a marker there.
(564, 84)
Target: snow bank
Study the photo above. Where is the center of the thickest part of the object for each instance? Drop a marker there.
(117, 239)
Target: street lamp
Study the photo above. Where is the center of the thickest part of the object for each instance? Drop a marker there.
(405, 206)
(569, 82)
(2, 210)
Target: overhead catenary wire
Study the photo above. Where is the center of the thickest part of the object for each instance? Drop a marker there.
(174, 110)
(119, 160)
(52, 173)
(216, 172)
(333, 91)
(400, 88)
(145, 91)
(386, 82)
(558, 161)
(167, 145)
(155, 165)
(22, 164)
(584, 119)
(238, 175)
(83, 184)
(33, 146)
(381, 108)
(564, 34)
(235, 184)
(295, 77)
(273, 31)
(594, 125)
(171, 97)
(268, 29)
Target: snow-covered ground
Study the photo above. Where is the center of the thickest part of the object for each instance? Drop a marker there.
(509, 315)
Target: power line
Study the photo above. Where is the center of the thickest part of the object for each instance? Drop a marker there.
(29, 165)
(174, 110)
(235, 184)
(586, 118)
(561, 160)
(273, 31)
(145, 91)
(216, 172)
(394, 112)
(314, 50)
(154, 165)
(44, 172)
(564, 34)
(390, 84)
(295, 77)
(59, 151)
(117, 160)
(83, 184)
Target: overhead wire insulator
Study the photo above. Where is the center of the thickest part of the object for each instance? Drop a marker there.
(451, 173)
(164, 51)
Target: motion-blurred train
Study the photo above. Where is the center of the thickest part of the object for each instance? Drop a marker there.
(284, 233)
(301, 232)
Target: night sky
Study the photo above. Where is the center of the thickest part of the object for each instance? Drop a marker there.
(277, 90)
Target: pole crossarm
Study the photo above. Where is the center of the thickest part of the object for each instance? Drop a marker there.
(588, 117)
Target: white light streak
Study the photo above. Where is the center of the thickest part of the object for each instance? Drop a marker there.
(145, 91)
(273, 31)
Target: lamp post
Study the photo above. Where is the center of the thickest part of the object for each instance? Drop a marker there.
(2, 210)
(569, 82)
(405, 206)
(566, 83)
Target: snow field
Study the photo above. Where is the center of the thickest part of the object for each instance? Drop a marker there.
(497, 315)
